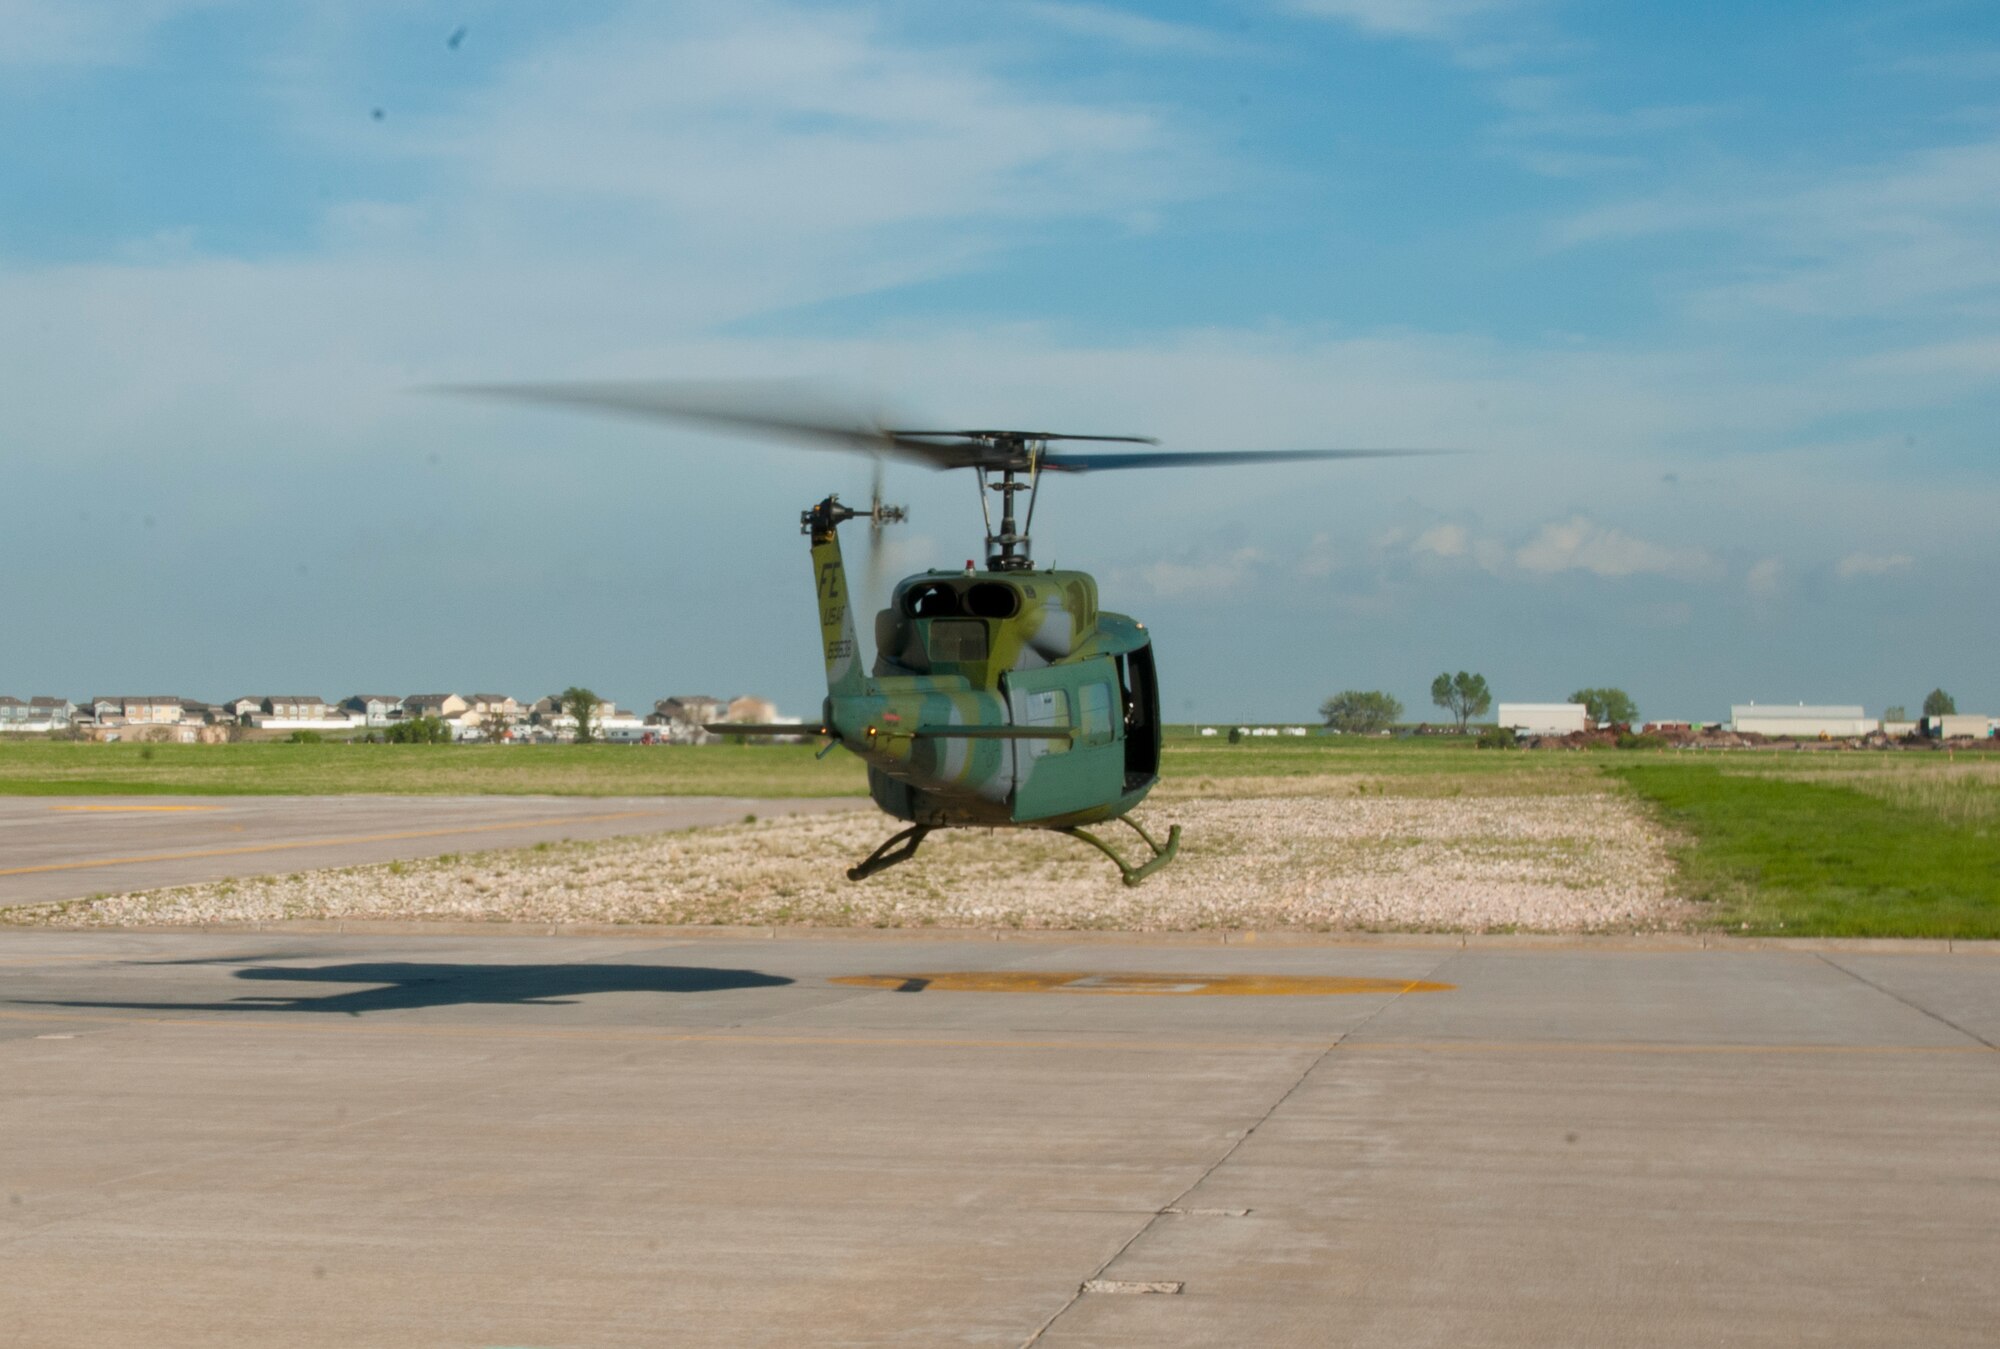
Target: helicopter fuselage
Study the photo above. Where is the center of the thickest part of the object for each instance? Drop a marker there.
(997, 698)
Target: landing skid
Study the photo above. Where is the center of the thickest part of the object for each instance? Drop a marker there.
(902, 847)
(889, 854)
(1162, 853)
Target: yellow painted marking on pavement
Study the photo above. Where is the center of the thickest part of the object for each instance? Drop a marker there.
(1613, 1047)
(129, 810)
(320, 843)
(1138, 984)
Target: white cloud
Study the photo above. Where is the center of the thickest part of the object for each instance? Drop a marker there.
(1581, 544)
(1404, 18)
(1765, 579)
(1442, 540)
(1320, 558)
(1873, 564)
(1920, 232)
(1127, 29)
(765, 118)
(1198, 577)
(83, 33)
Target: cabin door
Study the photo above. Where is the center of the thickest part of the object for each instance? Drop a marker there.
(1061, 776)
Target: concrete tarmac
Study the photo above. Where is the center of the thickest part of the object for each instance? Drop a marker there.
(54, 848)
(248, 1140)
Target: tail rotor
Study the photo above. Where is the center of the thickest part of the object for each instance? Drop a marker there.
(880, 515)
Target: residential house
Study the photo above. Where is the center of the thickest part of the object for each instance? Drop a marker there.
(242, 709)
(753, 710)
(485, 706)
(14, 713)
(615, 725)
(548, 717)
(680, 719)
(445, 706)
(53, 714)
(141, 711)
(295, 707)
(374, 709)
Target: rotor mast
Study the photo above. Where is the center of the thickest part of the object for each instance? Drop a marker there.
(1010, 549)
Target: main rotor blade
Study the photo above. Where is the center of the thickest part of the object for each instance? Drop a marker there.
(785, 410)
(1058, 461)
(1023, 436)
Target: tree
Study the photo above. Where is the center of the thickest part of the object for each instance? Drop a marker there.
(1607, 707)
(1895, 713)
(1361, 713)
(1938, 703)
(418, 731)
(582, 704)
(1463, 695)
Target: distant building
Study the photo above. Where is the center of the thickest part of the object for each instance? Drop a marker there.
(374, 709)
(1958, 726)
(681, 719)
(1544, 718)
(441, 705)
(153, 710)
(295, 707)
(1801, 721)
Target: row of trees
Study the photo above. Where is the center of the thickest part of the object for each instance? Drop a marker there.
(575, 700)
(1464, 695)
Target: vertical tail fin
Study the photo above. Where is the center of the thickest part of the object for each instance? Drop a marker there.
(836, 615)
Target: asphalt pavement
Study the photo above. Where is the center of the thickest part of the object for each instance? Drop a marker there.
(248, 1140)
(54, 848)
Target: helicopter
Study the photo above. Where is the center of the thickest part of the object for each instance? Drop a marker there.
(1000, 696)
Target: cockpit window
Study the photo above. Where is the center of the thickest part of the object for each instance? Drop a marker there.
(936, 600)
(958, 640)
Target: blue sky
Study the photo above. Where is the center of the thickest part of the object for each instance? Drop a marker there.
(1712, 292)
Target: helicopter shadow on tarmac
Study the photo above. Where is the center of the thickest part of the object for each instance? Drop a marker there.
(406, 985)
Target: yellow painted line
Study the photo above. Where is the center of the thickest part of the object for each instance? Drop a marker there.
(1136, 984)
(1614, 1047)
(337, 842)
(129, 810)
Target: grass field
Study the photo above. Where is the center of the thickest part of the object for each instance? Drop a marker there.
(60, 768)
(1908, 851)
(1797, 843)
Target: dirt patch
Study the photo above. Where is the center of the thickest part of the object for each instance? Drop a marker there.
(1575, 863)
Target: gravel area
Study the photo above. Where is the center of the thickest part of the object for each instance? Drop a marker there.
(1325, 860)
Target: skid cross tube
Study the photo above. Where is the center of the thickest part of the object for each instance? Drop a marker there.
(883, 858)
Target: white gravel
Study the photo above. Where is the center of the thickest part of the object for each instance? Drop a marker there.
(1330, 860)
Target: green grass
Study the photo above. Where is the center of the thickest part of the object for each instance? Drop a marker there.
(1777, 843)
(61, 768)
(1823, 858)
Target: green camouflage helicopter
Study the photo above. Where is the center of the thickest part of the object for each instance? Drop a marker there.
(999, 698)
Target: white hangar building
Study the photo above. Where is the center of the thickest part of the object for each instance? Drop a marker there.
(1801, 721)
(1544, 718)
